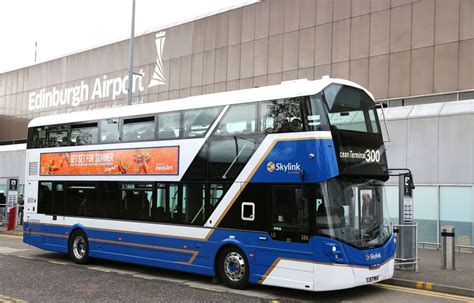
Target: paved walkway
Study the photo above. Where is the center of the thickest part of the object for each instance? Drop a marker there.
(18, 231)
(430, 275)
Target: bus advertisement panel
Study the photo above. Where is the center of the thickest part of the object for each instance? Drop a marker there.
(143, 161)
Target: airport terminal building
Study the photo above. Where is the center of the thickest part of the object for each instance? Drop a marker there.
(416, 56)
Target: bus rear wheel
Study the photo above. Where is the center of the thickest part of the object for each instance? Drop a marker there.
(79, 247)
(233, 268)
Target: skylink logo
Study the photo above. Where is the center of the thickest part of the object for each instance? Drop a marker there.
(370, 257)
(288, 167)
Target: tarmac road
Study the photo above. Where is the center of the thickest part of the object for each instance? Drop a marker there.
(30, 274)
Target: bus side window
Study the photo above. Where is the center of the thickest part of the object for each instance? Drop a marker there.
(59, 198)
(37, 137)
(281, 116)
(169, 125)
(109, 130)
(139, 129)
(315, 117)
(198, 121)
(83, 134)
(58, 136)
(45, 198)
(238, 119)
(290, 208)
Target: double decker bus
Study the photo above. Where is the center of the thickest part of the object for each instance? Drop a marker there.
(279, 185)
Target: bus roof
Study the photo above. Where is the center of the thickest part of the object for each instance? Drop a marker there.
(286, 89)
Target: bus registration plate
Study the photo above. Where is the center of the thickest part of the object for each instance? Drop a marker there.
(372, 279)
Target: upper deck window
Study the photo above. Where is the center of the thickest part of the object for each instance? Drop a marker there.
(136, 129)
(314, 114)
(239, 119)
(198, 121)
(84, 134)
(109, 130)
(169, 125)
(351, 109)
(281, 116)
(37, 137)
(58, 136)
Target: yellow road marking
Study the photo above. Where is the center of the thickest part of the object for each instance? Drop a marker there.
(426, 293)
(429, 286)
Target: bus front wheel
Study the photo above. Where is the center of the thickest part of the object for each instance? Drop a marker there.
(79, 247)
(233, 268)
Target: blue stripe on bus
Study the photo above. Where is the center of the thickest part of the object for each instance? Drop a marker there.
(316, 158)
(198, 256)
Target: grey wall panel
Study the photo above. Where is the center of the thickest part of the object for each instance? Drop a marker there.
(397, 147)
(12, 164)
(455, 149)
(422, 146)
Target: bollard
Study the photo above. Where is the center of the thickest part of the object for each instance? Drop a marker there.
(447, 248)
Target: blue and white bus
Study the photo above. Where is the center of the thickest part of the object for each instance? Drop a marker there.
(279, 185)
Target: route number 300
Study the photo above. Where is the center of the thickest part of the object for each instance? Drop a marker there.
(372, 155)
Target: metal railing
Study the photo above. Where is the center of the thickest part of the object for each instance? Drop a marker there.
(437, 246)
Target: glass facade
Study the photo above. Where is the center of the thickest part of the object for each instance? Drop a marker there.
(436, 206)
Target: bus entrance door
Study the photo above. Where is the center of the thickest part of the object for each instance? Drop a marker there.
(290, 251)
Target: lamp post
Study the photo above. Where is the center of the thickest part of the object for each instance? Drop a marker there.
(130, 59)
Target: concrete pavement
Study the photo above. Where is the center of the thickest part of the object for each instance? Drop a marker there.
(431, 277)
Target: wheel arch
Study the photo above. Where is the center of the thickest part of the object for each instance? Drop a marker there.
(74, 229)
(224, 246)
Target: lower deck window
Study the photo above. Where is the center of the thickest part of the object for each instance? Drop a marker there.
(190, 203)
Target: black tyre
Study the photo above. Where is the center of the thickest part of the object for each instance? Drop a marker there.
(79, 247)
(233, 268)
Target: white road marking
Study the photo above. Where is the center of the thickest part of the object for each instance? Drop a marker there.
(247, 292)
(10, 250)
(161, 278)
(57, 262)
(114, 270)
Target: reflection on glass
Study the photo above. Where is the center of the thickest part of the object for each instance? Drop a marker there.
(109, 130)
(354, 211)
(139, 129)
(198, 121)
(238, 119)
(281, 116)
(453, 199)
(84, 134)
(169, 125)
(350, 109)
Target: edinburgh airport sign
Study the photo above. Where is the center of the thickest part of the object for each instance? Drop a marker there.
(74, 95)
(104, 87)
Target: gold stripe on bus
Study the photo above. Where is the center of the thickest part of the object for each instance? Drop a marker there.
(193, 253)
(125, 232)
(47, 234)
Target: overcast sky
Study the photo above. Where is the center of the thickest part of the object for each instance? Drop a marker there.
(66, 26)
